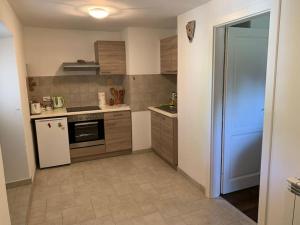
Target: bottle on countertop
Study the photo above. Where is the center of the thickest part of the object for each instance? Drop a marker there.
(173, 99)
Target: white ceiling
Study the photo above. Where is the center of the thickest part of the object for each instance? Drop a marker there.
(72, 14)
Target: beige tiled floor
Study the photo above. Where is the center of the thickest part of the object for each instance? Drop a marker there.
(18, 201)
(138, 189)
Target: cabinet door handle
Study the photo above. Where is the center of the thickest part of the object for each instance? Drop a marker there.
(118, 114)
(105, 72)
(112, 124)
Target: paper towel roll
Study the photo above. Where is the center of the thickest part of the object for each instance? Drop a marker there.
(101, 99)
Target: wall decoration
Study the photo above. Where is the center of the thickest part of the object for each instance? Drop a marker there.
(190, 30)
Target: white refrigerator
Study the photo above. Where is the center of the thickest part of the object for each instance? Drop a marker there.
(53, 142)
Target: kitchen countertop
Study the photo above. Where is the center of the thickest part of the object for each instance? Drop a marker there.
(171, 115)
(63, 112)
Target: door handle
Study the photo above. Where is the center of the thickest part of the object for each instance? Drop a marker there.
(86, 124)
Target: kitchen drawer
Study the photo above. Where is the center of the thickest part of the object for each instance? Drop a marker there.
(119, 138)
(117, 115)
(90, 151)
(118, 145)
(118, 123)
(117, 130)
(116, 135)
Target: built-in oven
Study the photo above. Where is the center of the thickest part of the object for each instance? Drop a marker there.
(86, 130)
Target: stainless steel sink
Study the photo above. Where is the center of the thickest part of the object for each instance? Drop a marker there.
(168, 108)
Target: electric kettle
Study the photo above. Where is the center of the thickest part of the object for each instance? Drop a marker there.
(58, 102)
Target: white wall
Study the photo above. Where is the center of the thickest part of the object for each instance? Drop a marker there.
(46, 49)
(141, 130)
(143, 49)
(11, 22)
(195, 92)
(12, 137)
(285, 153)
(195, 81)
(143, 58)
(4, 211)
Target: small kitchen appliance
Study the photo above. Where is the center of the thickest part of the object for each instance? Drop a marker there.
(47, 103)
(102, 99)
(36, 108)
(58, 102)
(86, 131)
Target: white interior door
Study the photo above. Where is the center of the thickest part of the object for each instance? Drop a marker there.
(12, 136)
(4, 210)
(245, 78)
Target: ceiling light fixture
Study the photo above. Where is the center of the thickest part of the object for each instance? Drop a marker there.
(98, 13)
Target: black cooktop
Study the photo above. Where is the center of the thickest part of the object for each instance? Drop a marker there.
(84, 108)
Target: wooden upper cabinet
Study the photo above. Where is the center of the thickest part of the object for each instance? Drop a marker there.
(168, 55)
(111, 56)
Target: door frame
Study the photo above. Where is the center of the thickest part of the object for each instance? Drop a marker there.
(216, 134)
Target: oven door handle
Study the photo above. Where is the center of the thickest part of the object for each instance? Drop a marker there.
(85, 124)
(84, 135)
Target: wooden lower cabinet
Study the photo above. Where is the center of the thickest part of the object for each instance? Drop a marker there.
(118, 131)
(118, 139)
(86, 153)
(164, 137)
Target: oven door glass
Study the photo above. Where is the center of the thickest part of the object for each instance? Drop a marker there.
(86, 131)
